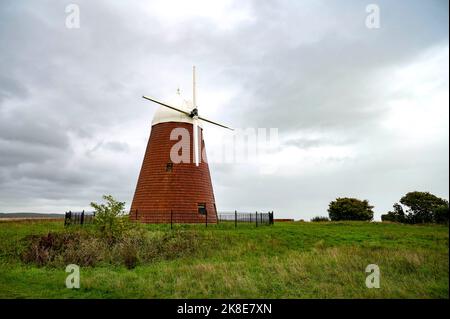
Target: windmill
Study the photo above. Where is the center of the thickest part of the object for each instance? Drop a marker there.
(165, 188)
(192, 114)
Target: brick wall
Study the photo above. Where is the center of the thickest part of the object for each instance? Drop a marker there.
(158, 192)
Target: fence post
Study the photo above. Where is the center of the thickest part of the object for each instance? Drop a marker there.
(82, 217)
(171, 219)
(256, 218)
(206, 220)
(235, 218)
(65, 218)
(70, 217)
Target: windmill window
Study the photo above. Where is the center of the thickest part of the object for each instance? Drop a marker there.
(201, 207)
(169, 167)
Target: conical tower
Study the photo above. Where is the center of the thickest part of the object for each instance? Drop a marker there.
(175, 182)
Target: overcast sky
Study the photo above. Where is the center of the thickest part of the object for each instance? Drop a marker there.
(361, 112)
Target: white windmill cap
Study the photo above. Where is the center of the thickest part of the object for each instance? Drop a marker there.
(164, 114)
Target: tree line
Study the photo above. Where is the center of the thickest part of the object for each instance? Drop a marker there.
(413, 208)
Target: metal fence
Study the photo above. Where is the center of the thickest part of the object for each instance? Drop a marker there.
(173, 217)
(256, 218)
(78, 218)
(177, 217)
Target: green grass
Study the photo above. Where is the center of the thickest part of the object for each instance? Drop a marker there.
(287, 260)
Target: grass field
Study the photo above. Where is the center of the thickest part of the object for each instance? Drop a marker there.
(286, 260)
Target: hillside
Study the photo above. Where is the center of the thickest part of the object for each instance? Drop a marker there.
(286, 260)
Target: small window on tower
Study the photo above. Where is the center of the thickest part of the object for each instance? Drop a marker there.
(201, 208)
(169, 167)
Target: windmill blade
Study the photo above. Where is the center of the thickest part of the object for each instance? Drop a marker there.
(194, 102)
(194, 115)
(166, 105)
(215, 123)
(196, 136)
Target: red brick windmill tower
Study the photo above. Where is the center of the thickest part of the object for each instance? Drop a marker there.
(174, 183)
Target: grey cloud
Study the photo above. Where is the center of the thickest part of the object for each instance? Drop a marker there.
(111, 146)
(23, 128)
(10, 88)
(70, 98)
(306, 143)
(17, 153)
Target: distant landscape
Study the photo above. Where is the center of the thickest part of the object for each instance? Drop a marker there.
(30, 215)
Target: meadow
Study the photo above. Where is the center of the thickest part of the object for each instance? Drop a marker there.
(285, 260)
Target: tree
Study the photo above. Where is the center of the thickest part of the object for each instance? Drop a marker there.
(350, 209)
(110, 218)
(441, 214)
(421, 207)
(398, 215)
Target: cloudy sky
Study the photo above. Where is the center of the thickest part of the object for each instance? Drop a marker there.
(361, 112)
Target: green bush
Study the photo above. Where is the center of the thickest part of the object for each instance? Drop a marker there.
(421, 207)
(398, 215)
(110, 218)
(320, 219)
(350, 209)
(441, 214)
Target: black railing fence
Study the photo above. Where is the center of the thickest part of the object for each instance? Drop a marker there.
(257, 218)
(175, 217)
(78, 218)
(172, 217)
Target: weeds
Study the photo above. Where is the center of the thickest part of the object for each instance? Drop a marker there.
(137, 246)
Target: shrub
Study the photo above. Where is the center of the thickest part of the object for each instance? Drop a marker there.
(421, 206)
(441, 214)
(136, 246)
(110, 218)
(388, 217)
(398, 215)
(89, 251)
(139, 246)
(350, 209)
(128, 252)
(64, 248)
(320, 219)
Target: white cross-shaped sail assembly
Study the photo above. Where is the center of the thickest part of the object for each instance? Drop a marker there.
(193, 114)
